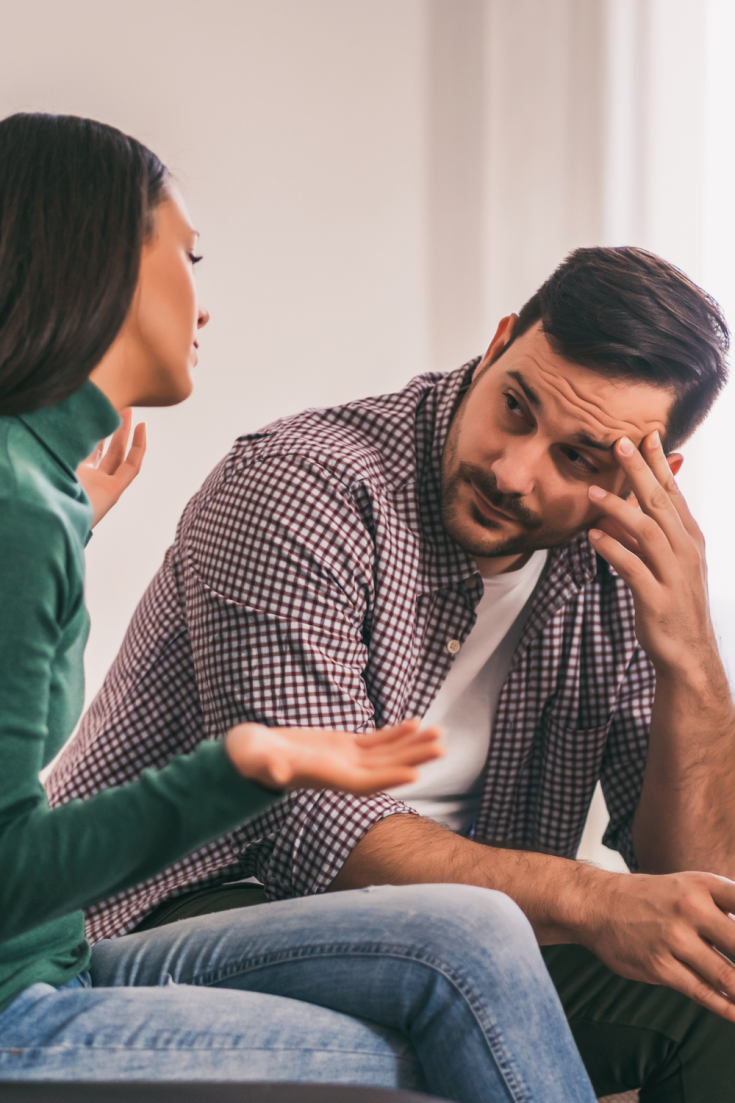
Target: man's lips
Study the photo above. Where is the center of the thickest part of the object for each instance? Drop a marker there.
(490, 511)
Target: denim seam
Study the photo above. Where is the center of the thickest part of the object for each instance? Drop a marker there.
(489, 1029)
(69, 1048)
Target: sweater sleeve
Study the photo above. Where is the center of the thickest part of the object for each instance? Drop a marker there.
(55, 861)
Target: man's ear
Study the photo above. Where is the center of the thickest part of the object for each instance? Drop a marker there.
(503, 334)
(675, 460)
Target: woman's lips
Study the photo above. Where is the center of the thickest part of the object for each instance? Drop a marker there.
(490, 511)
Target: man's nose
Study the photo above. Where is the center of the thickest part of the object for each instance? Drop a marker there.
(515, 471)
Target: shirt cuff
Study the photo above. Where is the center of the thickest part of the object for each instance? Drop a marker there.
(318, 835)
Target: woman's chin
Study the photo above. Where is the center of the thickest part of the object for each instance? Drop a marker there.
(168, 391)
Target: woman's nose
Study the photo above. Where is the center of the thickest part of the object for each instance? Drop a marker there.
(203, 317)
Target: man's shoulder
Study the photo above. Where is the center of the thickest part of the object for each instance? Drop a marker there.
(370, 439)
(343, 460)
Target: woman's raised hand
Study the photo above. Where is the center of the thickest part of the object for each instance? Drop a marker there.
(105, 477)
(309, 758)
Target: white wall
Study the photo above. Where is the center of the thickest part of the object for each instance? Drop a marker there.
(376, 182)
(299, 133)
(373, 184)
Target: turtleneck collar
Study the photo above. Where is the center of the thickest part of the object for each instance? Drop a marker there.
(71, 430)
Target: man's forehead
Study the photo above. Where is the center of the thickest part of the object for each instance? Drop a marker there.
(598, 408)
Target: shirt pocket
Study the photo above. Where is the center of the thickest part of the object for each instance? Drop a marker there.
(568, 769)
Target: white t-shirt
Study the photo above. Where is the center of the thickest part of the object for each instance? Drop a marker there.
(450, 788)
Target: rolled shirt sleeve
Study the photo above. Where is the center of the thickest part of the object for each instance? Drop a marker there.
(279, 585)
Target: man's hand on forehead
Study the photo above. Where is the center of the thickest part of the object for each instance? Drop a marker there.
(654, 543)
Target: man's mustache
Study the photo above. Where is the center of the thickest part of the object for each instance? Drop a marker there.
(511, 504)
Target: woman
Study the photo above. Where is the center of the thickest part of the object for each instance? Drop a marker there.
(98, 312)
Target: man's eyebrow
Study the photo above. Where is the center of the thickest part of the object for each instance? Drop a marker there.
(527, 389)
(578, 438)
(587, 442)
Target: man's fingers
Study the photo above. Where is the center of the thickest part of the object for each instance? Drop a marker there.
(723, 893)
(610, 526)
(714, 969)
(686, 980)
(654, 543)
(654, 500)
(630, 567)
(658, 461)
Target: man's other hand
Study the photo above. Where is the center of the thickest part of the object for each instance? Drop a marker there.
(673, 929)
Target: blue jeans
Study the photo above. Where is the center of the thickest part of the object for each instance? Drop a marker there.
(431, 987)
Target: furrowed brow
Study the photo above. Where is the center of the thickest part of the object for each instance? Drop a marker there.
(527, 389)
(587, 442)
(578, 438)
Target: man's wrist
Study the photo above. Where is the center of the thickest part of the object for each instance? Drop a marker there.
(575, 905)
(699, 679)
(562, 898)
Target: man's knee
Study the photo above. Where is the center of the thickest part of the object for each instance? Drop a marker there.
(464, 916)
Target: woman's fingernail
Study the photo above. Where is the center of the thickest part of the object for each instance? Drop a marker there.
(656, 438)
(626, 446)
(594, 534)
(597, 493)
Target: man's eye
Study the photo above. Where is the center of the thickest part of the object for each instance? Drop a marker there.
(512, 403)
(579, 460)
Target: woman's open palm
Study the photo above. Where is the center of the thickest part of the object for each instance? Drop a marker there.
(105, 475)
(309, 758)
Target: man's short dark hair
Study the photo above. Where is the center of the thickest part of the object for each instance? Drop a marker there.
(627, 313)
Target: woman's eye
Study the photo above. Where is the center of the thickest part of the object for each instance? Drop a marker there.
(194, 258)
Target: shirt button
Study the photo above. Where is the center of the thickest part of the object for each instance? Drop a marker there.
(453, 646)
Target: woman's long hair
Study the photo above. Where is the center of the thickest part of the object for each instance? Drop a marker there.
(76, 205)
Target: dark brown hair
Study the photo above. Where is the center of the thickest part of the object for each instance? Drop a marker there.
(627, 313)
(76, 203)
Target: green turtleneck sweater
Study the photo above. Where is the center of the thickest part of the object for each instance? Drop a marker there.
(55, 862)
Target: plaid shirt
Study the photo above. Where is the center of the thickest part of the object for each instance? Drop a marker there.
(312, 583)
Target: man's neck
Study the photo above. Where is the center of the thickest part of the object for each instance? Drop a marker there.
(493, 565)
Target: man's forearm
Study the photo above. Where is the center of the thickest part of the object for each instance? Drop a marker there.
(686, 815)
(557, 895)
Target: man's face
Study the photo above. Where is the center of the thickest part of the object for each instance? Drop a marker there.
(531, 436)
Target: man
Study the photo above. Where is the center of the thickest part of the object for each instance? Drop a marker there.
(471, 550)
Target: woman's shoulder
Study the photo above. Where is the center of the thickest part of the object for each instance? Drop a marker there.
(29, 475)
(31, 509)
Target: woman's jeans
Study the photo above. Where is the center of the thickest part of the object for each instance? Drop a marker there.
(440, 988)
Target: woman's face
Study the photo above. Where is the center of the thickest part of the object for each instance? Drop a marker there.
(152, 358)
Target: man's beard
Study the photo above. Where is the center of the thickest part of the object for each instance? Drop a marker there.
(533, 534)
